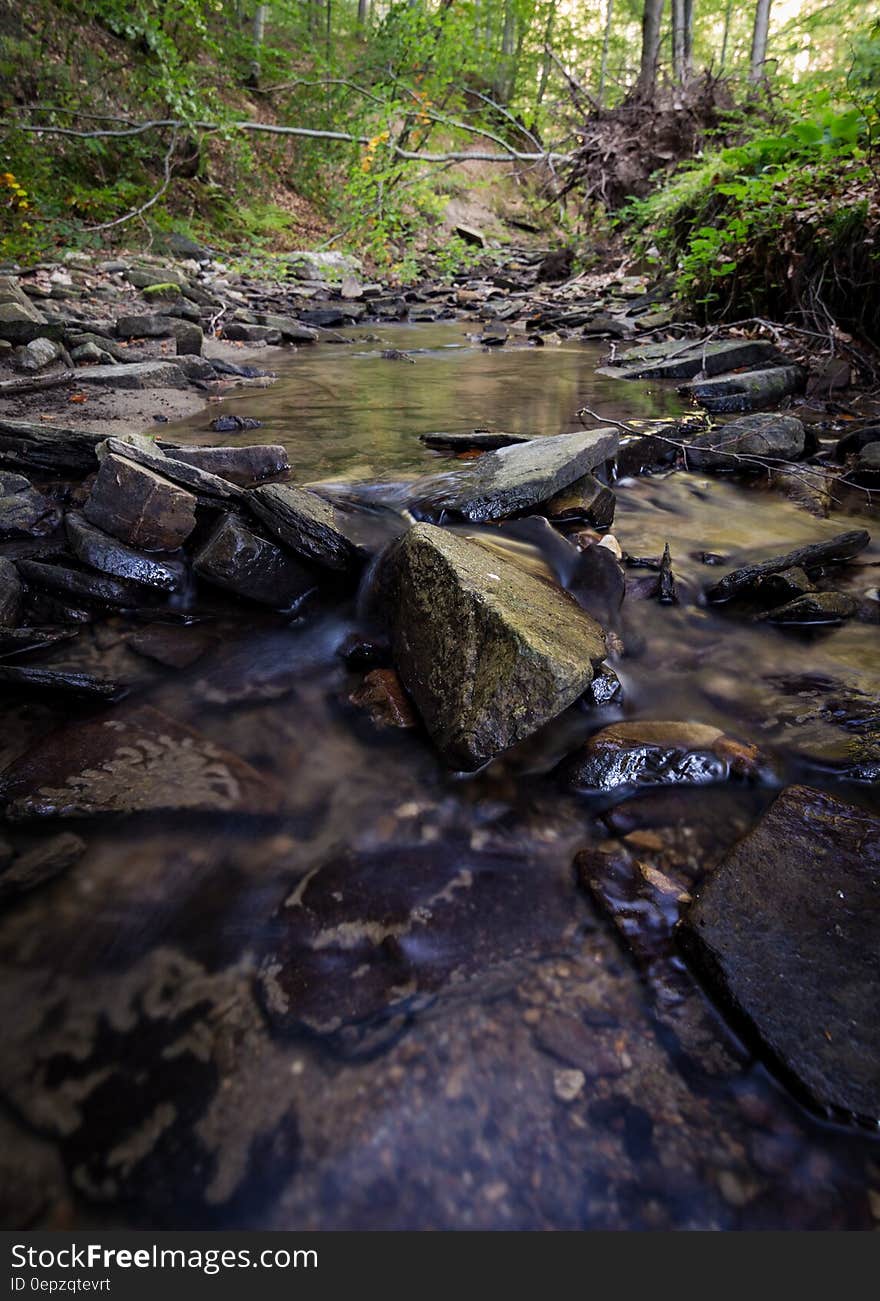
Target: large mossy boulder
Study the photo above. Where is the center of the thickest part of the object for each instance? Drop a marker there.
(487, 651)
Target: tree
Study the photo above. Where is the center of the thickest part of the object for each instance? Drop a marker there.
(652, 20)
(606, 41)
(759, 40)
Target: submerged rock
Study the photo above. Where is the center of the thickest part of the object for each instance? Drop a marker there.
(814, 607)
(514, 478)
(307, 524)
(68, 681)
(647, 753)
(10, 594)
(741, 443)
(26, 513)
(381, 693)
(137, 506)
(487, 651)
(238, 560)
(136, 761)
(101, 551)
(786, 933)
(41, 864)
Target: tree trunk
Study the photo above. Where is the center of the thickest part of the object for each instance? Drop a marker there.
(652, 19)
(363, 13)
(725, 40)
(545, 62)
(603, 69)
(759, 40)
(259, 32)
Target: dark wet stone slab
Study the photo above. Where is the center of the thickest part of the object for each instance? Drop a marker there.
(746, 443)
(488, 652)
(83, 585)
(679, 360)
(45, 447)
(585, 499)
(239, 465)
(139, 507)
(208, 487)
(367, 935)
(10, 594)
(68, 681)
(647, 753)
(813, 607)
(843, 546)
(18, 641)
(36, 866)
(307, 524)
(786, 933)
(27, 514)
(136, 760)
(101, 551)
(748, 391)
(478, 440)
(169, 644)
(238, 560)
(515, 478)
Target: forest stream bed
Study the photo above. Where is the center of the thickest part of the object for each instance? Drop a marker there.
(490, 1021)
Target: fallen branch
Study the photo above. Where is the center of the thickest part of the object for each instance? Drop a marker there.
(11, 388)
(137, 212)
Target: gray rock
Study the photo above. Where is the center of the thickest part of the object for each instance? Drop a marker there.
(237, 331)
(741, 443)
(27, 514)
(195, 367)
(749, 391)
(45, 447)
(189, 338)
(814, 607)
(239, 561)
(240, 465)
(10, 594)
(478, 440)
(515, 478)
(647, 753)
(82, 586)
(786, 932)
(291, 330)
(20, 321)
(307, 524)
(209, 488)
(151, 326)
(108, 555)
(137, 506)
(488, 652)
(679, 360)
(89, 354)
(11, 483)
(137, 375)
(585, 499)
(36, 355)
(867, 463)
(144, 277)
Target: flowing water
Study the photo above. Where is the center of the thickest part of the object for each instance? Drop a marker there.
(532, 1072)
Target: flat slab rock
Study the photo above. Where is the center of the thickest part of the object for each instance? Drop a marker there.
(136, 375)
(786, 932)
(515, 478)
(678, 360)
(488, 652)
(238, 560)
(136, 761)
(307, 524)
(139, 507)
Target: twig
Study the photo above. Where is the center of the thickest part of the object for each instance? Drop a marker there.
(138, 212)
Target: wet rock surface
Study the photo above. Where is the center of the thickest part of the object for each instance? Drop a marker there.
(307, 524)
(238, 560)
(785, 931)
(657, 754)
(487, 652)
(138, 507)
(101, 551)
(744, 444)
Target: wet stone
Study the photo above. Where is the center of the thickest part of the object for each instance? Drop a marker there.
(676, 360)
(381, 693)
(740, 582)
(240, 465)
(36, 866)
(515, 478)
(367, 935)
(83, 585)
(10, 594)
(26, 513)
(743, 445)
(748, 391)
(68, 681)
(208, 488)
(488, 652)
(151, 326)
(813, 607)
(234, 424)
(171, 645)
(101, 551)
(585, 499)
(135, 375)
(646, 753)
(138, 760)
(137, 506)
(786, 933)
(307, 524)
(478, 440)
(238, 560)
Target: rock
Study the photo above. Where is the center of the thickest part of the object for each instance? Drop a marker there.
(239, 561)
(365, 935)
(36, 355)
(136, 375)
(151, 326)
(209, 488)
(234, 424)
(843, 546)
(856, 441)
(166, 292)
(867, 464)
(189, 339)
(291, 331)
(605, 688)
(741, 443)
(515, 478)
(89, 354)
(145, 277)
(470, 235)
(41, 864)
(647, 753)
(487, 652)
(777, 589)
(101, 551)
(238, 331)
(585, 499)
(196, 368)
(786, 932)
(139, 507)
(100, 347)
(174, 645)
(44, 447)
(135, 761)
(11, 483)
(10, 594)
(748, 391)
(322, 265)
(19, 641)
(27, 514)
(240, 465)
(679, 360)
(68, 681)
(667, 593)
(814, 607)
(307, 524)
(83, 586)
(478, 440)
(20, 321)
(557, 265)
(382, 694)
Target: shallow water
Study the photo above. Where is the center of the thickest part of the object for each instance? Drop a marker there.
(149, 1081)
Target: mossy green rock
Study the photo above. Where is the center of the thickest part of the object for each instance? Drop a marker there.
(488, 652)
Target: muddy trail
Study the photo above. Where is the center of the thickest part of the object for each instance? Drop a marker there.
(452, 801)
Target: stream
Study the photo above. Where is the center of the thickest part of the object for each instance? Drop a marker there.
(539, 1072)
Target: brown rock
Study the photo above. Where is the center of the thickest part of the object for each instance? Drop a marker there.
(139, 507)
